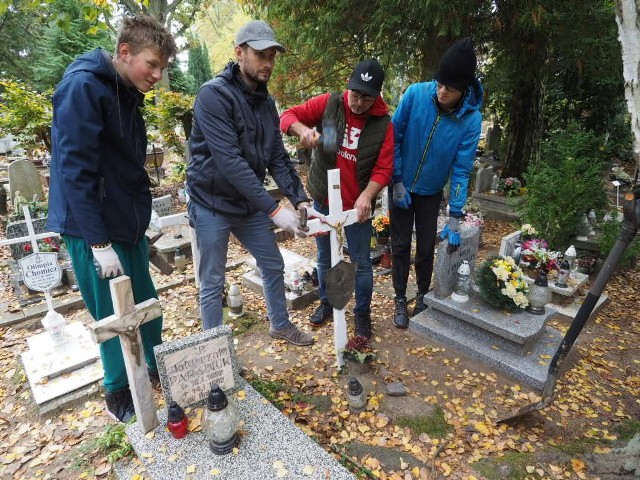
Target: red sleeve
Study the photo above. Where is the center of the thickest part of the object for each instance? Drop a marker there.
(310, 113)
(383, 168)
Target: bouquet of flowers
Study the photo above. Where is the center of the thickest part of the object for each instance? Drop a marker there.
(380, 225)
(502, 284)
(536, 255)
(48, 244)
(358, 349)
(509, 186)
(528, 231)
(473, 220)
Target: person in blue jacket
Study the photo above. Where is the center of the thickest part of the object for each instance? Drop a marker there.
(437, 127)
(99, 197)
(235, 140)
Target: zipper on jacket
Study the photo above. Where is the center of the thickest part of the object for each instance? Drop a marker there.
(424, 153)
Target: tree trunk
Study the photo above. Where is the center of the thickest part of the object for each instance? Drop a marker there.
(524, 131)
(627, 18)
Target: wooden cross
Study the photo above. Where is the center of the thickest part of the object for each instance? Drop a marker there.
(336, 221)
(125, 323)
(33, 238)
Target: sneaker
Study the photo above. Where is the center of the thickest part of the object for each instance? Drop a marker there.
(363, 324)
(323, 313)
(419, 306)
(120, 405)
(400, 316)
(292, 334)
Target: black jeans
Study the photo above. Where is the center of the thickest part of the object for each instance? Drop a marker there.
(424, 210)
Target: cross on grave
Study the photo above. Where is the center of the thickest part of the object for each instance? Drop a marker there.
(336, 221)
(38, 284)
(125, 323)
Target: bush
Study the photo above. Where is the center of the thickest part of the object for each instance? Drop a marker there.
(610, 232)
(565, 183)
(166, 111)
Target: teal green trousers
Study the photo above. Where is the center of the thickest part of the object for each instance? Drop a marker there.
(97, 296)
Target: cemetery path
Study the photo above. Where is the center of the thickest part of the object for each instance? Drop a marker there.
(443, 428)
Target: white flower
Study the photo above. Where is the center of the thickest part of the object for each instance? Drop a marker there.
(501, 273)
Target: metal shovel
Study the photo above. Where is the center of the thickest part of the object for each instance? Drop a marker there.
(631, 223)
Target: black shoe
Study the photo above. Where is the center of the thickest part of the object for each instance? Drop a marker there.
(323, 313)
(363, 325)
(419, 306)
(120, 405)
(400, 316)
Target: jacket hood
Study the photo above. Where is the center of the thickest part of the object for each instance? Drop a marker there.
(231, 74)
(378, 109)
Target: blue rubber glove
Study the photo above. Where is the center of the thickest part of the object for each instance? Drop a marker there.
(401, 197)
(450, 232)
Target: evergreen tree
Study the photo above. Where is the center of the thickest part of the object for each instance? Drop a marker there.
(199, 67)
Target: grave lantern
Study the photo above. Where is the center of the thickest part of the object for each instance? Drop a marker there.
(494, 183)
(295, 282)
(570, 256)
(177, 421)
(235, 301)
(461, 290)
(54, 324)
(356, 396)
(539, 294)
(563, 274)
(221, 420)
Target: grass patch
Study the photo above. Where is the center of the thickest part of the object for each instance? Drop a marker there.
(269, 389)
(112, 443)
(322, 403)
(241, 324)
(580, 446)
(511, 466)
(627, 429)
(434, 425)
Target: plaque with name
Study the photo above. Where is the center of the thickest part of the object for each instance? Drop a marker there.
(41, 271)
(189, 366)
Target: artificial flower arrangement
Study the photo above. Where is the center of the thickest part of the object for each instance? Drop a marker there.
(358, 349)
(473, 220)
(503, 284)
(380, 225)
(48, 244)
(509, 186)
(536, 255)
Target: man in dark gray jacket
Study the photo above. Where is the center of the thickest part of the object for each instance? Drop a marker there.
(235, 140)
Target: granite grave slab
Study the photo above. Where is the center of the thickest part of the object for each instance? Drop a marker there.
(271, 447)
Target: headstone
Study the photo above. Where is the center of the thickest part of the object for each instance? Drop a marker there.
(446, 264)
(483, 179)
(189, 366)
(493, 139)
(19, 229)
(508, 243)
(55, 369)
(162, 205)
(24, 177)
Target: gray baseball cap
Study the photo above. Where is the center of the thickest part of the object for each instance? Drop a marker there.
(258, 35)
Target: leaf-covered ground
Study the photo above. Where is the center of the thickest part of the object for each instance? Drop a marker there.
(443, 428)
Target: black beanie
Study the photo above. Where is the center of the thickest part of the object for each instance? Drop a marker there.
(457, 66)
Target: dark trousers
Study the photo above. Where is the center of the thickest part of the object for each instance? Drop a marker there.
(424, 211)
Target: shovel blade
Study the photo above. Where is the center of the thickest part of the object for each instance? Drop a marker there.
(341, 282)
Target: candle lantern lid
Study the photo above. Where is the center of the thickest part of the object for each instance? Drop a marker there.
(217, 400)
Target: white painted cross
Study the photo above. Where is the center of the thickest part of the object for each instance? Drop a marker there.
(125, 323)
(342, 218)
(40, 284)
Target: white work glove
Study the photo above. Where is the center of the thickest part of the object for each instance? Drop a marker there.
(107, 262)
(288, 220)
(312, 212)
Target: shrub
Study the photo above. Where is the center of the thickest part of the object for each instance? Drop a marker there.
(563, 184)
(610, 232)
(167, 111)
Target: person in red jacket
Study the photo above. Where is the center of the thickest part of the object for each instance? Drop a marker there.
(364, 156)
